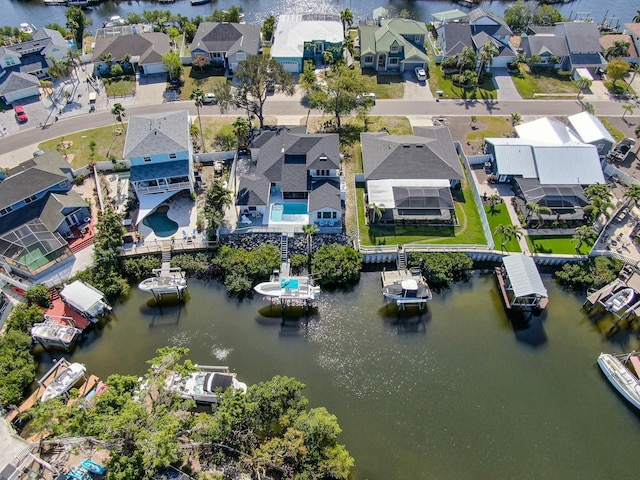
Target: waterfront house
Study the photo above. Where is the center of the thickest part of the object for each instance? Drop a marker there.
(38, 210)
(225, 44)
(292, 179)
(134, 47)
(548, 48)
(397, 45)
(306, 36)
(23, 65)
(633, 29)
(411, 177)
(478, 29)
(160, 150)
(608, 41)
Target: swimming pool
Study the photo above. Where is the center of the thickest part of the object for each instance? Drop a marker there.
(160, 223)
(289, 213)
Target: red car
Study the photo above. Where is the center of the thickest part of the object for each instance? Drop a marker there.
(21, 115)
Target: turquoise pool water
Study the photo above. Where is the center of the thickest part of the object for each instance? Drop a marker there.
(161, 225)
(288, 212)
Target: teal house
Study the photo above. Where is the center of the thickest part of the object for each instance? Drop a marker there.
(300, 37)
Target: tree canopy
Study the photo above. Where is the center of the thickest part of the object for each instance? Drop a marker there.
(337, 265)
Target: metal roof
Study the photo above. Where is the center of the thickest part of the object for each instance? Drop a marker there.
(514, 156)
(292, 31)
(524, 276)
(568, 164)
(589, 128)
(547, 130)
(449, 15)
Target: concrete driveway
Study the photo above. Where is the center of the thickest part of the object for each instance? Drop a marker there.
(504, 83)
(415, 90)
(150, 89)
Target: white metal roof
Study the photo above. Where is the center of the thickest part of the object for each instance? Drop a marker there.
(568, 165)
(546, 130)
(589, 128)
(81, 296)
(292, 31)
(524, 276)
(380, 192)
(514, 156)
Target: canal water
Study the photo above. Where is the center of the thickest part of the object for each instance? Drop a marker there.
(34, 11)
(459, 392)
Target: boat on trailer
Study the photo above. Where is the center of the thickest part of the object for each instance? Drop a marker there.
(64, 382)
(619, 300)
(204, 385)
(621, 377)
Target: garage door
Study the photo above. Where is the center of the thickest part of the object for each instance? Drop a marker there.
(290, 66)
(502, 62)
(154, 68)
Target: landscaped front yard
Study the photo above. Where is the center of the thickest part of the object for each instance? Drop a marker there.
(469, 232)
(498, 215)
(540, 82)
(438, 80)
(204, 79)
(78, 146)
(556, 244)
(122, 86)
(384, 86)
(487, 127)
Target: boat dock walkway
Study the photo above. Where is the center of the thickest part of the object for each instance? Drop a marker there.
(629, 277)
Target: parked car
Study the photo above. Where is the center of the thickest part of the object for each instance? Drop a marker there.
(209, 98)
(21, 115)
(421, 74)
(366, 96)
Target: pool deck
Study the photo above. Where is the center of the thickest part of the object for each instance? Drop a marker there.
(183, 211)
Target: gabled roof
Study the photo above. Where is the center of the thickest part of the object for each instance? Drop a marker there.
(454, 14)
(633, 28)
(478, 13)
(227, 37)
(428, 154)
(546, 130)
(523, 275)
(457, 36)
(56, 37)
(51, 215)
(607, 41)
(325, 193)
(292, 31)
(379, 39)
(514, 156)
(582, 37)
(568, 165)
(544, 44)
(157, 133)
(24, 182)
(150, 47)
(589, 128)
(17, 81)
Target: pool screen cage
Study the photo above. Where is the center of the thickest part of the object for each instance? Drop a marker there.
(31, 246)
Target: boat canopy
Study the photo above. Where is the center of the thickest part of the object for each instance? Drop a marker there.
(83, 297)
(524, 276)
(149, 202)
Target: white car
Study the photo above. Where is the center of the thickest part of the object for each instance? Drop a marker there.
(371, 95)
(421, 74)
(209, 98)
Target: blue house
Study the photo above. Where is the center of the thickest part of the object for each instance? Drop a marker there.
(300, 37)
(160, 150)
(37, 212)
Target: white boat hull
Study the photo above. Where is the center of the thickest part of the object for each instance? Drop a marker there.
(619, 300)
(301, 288)
(621, 378)
(64, 382)
(204, 385)
(163, 284)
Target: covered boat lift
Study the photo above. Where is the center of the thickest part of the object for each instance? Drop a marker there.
(520, 283)
(86, 299)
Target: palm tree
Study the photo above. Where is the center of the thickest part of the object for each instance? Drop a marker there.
(493, 200)
(376, 211)
(241, 129)
(628, 108)
(466, 59)
(46, 86)
(636, 17)
(58, 69)
(488, 51)
(537, 210)
(508, 233)
(118, 112)
(584, 234)
(620, 48)
(598, 206)
(217, 199)
(346, 17)
(309, 231)
(197, 95)
(516, 118)
(583, 84)
(632, 193)
(635, 69)
(588, 107)
(598, 190)
(107, 58)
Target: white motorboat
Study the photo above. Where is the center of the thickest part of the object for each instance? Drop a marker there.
(164, 284)
(27, 28)
(204, 385)
(619, 300)
(301, 288)
(115, 21)
(53, 333)
(199, 2)
(615, 369)
(407, 289)
(64, 382)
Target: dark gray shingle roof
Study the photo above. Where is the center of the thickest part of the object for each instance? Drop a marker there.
(582, 37)
(16, 81)
(227, 37)
(544, 44)
(325, 194)
(157, 133)
(150, 47)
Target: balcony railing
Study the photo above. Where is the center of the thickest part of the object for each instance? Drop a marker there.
(171, 187)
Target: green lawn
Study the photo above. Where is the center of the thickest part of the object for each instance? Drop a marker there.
(384, 86)
(558, 244)
(469, 231)
(500, 216)
(438, 80)
(543, 81)
(109, 141)
(489, 127)
(193, 78)
(122, 86)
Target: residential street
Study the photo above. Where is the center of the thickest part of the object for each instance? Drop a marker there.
(35, 135)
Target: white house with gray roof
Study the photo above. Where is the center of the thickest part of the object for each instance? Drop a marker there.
(159, 148)
(23, 65)
(225, 44)
(292, 179)
(411, 176)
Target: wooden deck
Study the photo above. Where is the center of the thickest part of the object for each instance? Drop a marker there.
(503, 287)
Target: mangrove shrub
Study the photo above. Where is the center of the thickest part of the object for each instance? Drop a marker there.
(594, 273)
(337, 265)
(442, 268)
